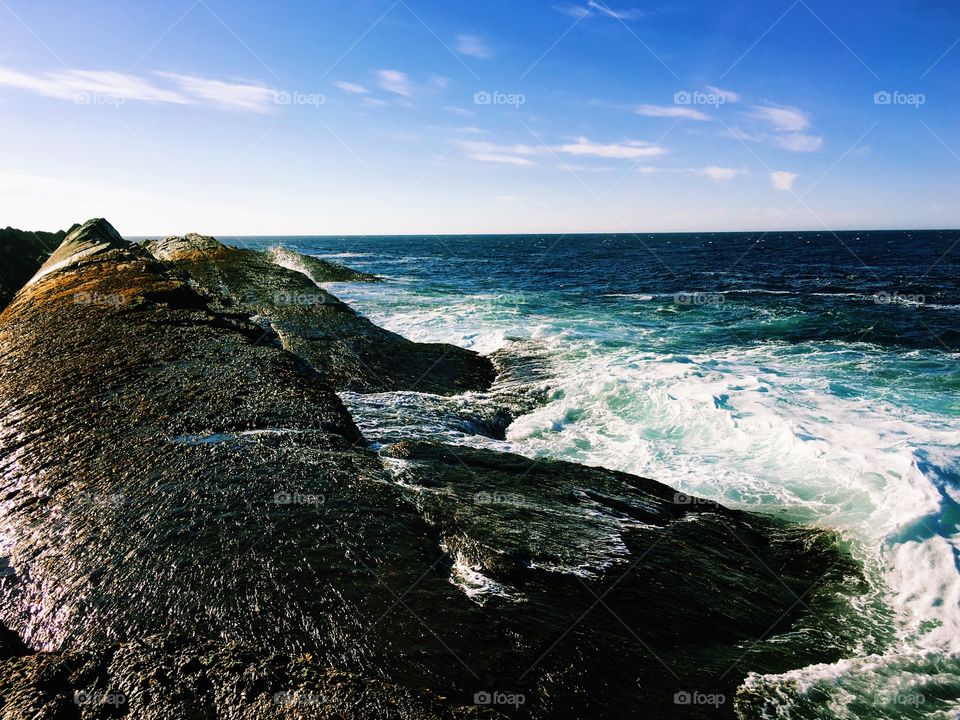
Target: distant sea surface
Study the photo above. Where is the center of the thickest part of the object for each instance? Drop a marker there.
(811, 375)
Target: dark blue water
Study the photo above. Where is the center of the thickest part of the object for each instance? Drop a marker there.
(881, 287)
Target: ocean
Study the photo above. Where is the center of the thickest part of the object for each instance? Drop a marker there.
(810, 375)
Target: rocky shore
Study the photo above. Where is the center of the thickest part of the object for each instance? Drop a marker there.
(193, 526)
(21, 255)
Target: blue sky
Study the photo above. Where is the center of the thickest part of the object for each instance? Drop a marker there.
(409, 116)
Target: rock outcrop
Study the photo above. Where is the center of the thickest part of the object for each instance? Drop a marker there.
(349, 351)
(193, 521)
(21, 255)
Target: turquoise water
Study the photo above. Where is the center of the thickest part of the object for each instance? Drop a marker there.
(811, 375)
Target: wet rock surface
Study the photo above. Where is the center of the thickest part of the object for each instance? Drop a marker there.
(348, 350)
(192, 520)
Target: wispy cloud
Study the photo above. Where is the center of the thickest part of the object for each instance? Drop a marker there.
(473, 46)
(583, 147)
(351, 88)
(671, 111)
(500, 158)
(799, 142)
(394, 81)
(241, 96)
(782, 180)
(105, 86)
(727, 95)
(503, 154)
(599, 8)
(75, 84)
(786, 126)
(783, 119)
(718, 173)
(629, 150)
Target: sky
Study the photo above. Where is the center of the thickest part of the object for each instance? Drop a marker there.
(420, 116)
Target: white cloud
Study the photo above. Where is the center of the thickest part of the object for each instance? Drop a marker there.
(782, 180)
(671, 111)
(602, 7)
(727, 95)
(599, 8)
(629, 150)
(499, 158)
(352, 88)
(108, 87)
(503, 154)
(718, 173)
(574, 11)
(788, 124)
(395, 82)
(799, 142)
(583, 147)
(78, 85)
(783, 119)
(241, 96)
(473, 46)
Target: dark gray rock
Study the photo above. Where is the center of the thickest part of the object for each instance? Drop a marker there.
(21, 255)
(158, 678)
(349, 351)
